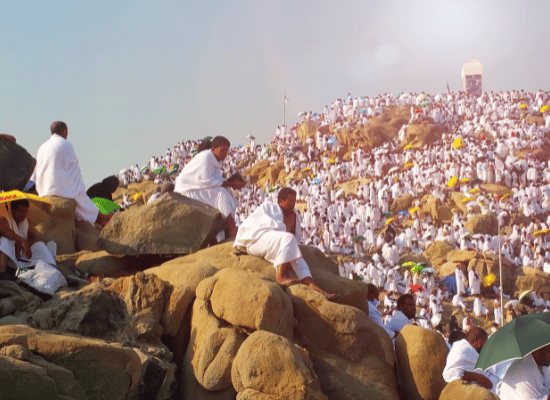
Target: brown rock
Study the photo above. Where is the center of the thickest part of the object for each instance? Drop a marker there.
(532, 279)
(86, 236)
(485, 224)
(60, 226)
(422, 134)
(339, 329)
(460, 389)
(402, 203)
(272, 365)
(16, 166)
(249, 301)
(212, 348)
(421, 358)
(184, 280)
(102, 370)
(437, 252)
(101, 263)
(143, 230)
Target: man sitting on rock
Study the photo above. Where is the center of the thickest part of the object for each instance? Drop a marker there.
(16, 236)
(57, 173)
(462, 359)
(201, 179)
(273, 232)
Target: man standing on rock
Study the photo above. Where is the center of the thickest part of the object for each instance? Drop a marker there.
(273, 232)
(57, 173)
(201, 179)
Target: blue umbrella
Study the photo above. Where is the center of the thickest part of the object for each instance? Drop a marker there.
(332, 140)
(240, 145)
(363, 111)
(316, 181)
(404, 212)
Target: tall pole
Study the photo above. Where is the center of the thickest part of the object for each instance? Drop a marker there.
(500, 264)
(284, 108)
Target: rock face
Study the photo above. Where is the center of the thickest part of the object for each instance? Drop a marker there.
(270, 366)
(173, 224)
(86, 236)
(460, 389)
(16, 166)
(346, 347)
(532, 279)
(60, 226)
(80, 368)
(485, 224)
(423, 376)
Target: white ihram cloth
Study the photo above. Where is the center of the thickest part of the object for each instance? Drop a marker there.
(463, 357)
(524, 380)
(263, 234)
(57, 173)
(39, 250)
(201, 179)
(397, 322)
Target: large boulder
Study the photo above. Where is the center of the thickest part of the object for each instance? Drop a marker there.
(103, 370)
(460, 389)
(402, 203)
(529, 278)
(144, 229)
(271, 365)
(421, 358)
(86, 236)
(231, 292)
(340, 337)
(419, 135)
(60, 225)
(437, 252)
(128, 310)
(101, 263)
(485, 224)
(16, 166)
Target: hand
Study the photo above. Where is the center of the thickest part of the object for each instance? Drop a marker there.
(27, 249)
(485, 382)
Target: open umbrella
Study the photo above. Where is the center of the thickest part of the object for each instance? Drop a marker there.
(466, 199)
(414, 209)
(307, 169)
(416, 288)
(309, 140)
(292, 129)
(525, 294)
(38, 206)
(463, 180)
(475, 190)
(332, 140)
(403, 212)
(331, 161)
(358, 238)
(452, 182)
(389, 221)
(503, 197)
(489, 280)
(515, 340)
(407, 147)
(408, 165)
(513, 303)
(340, 193)
(239, 145)
(160, 170)
(544, 108)
(362, 111)
(523, 105)
(316, 181)
(105, 206)
(250, 137)
(541, 232)
(302, 114)
(428, 271)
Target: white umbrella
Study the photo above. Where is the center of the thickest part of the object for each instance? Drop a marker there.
(512, 302)
(341, 192)
(309, 140)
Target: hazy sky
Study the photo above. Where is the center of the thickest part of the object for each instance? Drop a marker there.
(131, 78)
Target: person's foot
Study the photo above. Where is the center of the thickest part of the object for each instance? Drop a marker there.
(286, 275)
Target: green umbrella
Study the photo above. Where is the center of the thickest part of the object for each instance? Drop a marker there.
(358, 238)
(105, 206)
(515, 340)
(160, 170)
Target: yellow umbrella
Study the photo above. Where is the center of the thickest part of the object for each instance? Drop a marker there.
(523, 105)
(136, 196)
(408, 165)
(407, 147)
(307, 169)
(475, 190)
(489, 280)
(466, 199)
(503, 197)
(452, 182)
(541, 232)
(388, 221)
(415, 209)
(544, 108)
(331, 160)
(465, 180)
(457, 145)
(38, 206)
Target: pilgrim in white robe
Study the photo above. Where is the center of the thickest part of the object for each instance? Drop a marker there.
(201, 179)
(263, 234)
(57, 173)
(460, 287)
(474, 281)
(525, 380)
(462, 358)
(40, 251)
(397, 322)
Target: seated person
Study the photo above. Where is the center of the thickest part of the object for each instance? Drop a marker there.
(462, 359)
(57, 173)
(273, 232)
(406, 311)
(104, 189)
(17, 235)
(201, 179)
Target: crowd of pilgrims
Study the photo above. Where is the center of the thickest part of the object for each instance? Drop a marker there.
(331, 220)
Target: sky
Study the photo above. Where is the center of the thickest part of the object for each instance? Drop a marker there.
(132, 78)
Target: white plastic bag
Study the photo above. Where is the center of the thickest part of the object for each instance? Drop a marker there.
(43, 277)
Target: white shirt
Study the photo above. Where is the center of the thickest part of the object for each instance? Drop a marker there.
(524, 380)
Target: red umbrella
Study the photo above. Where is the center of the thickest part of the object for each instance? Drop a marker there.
(294, 128)
(417, 288)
